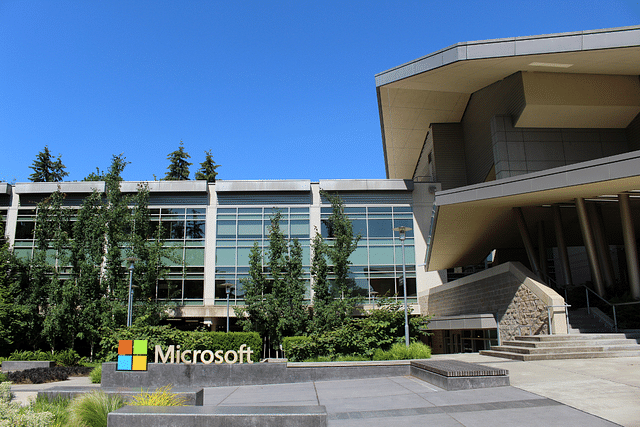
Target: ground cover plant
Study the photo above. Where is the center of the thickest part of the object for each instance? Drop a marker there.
(44, 375)
(14, 415)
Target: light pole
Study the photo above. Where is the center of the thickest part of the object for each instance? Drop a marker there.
(228, 287)
(131, 261)
(403, 231)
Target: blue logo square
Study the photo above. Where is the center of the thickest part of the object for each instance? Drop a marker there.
(124, 363)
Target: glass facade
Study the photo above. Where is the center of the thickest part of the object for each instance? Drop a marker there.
(237, 228)
(198, 274)
(377, 261)
(183, 229)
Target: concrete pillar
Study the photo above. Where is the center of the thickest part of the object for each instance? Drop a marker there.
(630, 248)
(526, 239)
(589, 243)
(542, 250)
(562, 246)
(599, 234)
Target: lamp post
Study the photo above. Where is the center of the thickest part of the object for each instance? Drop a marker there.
(131, 261)
(228, 287)
(403, 232)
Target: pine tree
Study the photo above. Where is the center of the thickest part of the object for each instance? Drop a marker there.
(179, 166)
(45, 169)
(208, 168)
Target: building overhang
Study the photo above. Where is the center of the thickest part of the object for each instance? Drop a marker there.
(437, 87)
(472, 221)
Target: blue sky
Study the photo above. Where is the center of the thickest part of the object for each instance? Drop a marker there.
(276, 90)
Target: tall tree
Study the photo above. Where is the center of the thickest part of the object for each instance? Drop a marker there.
(274, 302)
(52, 238)
(208, 168)
(13, 315)
(333, 300)
(178, 166)
(46, 169)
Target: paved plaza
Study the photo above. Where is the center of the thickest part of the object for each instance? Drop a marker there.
(593, 392)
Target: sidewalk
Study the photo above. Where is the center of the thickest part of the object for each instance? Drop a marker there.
(582, 393)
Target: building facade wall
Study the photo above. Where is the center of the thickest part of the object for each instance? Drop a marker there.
(518, 151)
(213, 229)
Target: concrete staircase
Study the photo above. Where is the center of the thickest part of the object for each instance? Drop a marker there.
(573, 346)
(581, 321)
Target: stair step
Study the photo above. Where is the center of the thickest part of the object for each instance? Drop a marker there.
(575, 355)
(568, 337)
(567, 343)
(571, 349)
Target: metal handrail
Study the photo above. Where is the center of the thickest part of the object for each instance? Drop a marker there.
(613, 306)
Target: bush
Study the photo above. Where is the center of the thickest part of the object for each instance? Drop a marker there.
(13, 415)
(66, 358)
(45, 375)
(167, 335)
(30, 356)
(96, 375)
(297, 348)
(159, 397)
(56, 406)
(400, 351)
(92, 409)
(361, 336)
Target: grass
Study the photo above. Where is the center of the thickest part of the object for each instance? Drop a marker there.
(58, 407)
(96, 375)
(160, 397)
(91, 409)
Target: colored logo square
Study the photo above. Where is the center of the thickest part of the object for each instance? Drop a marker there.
(132, 355)
(140, 347)
(124, 363)
(125, 347)
(139, 363)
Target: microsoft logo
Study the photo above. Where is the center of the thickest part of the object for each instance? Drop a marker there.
(132, 355)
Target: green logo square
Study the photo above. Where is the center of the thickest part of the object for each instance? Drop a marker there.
(140, 347)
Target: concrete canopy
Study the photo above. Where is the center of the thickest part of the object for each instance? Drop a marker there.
(437, 87)
(473, 220)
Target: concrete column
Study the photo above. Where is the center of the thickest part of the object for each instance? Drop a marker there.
(562, 246)
(542, 251)
(589, 243)
(630, 248)
(209, 292)
(526, 239)
(599, 234)
(12, 218)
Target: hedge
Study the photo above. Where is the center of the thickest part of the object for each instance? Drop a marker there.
(192, 340)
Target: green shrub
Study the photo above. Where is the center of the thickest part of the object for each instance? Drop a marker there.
(167, 335)
(27, 355)
(56, 406)
(160, 397)
(297, 348)
(361, 336)
(3, 377)
(400, 351)
(14, 415)
(96, 375)
(92, 409)
(66, 357)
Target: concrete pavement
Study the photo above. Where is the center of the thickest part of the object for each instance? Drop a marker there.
(591, 392)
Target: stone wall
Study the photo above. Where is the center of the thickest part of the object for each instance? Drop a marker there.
(507, 291)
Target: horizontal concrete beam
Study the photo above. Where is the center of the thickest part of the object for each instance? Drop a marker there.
(21, 365)
(283, 185)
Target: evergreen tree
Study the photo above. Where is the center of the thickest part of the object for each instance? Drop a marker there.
(13, 315)
(208, 168)
(95, 176)
(178, 166)
(274, 304)
(46, 169)
(333, 301)
(52, 236)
